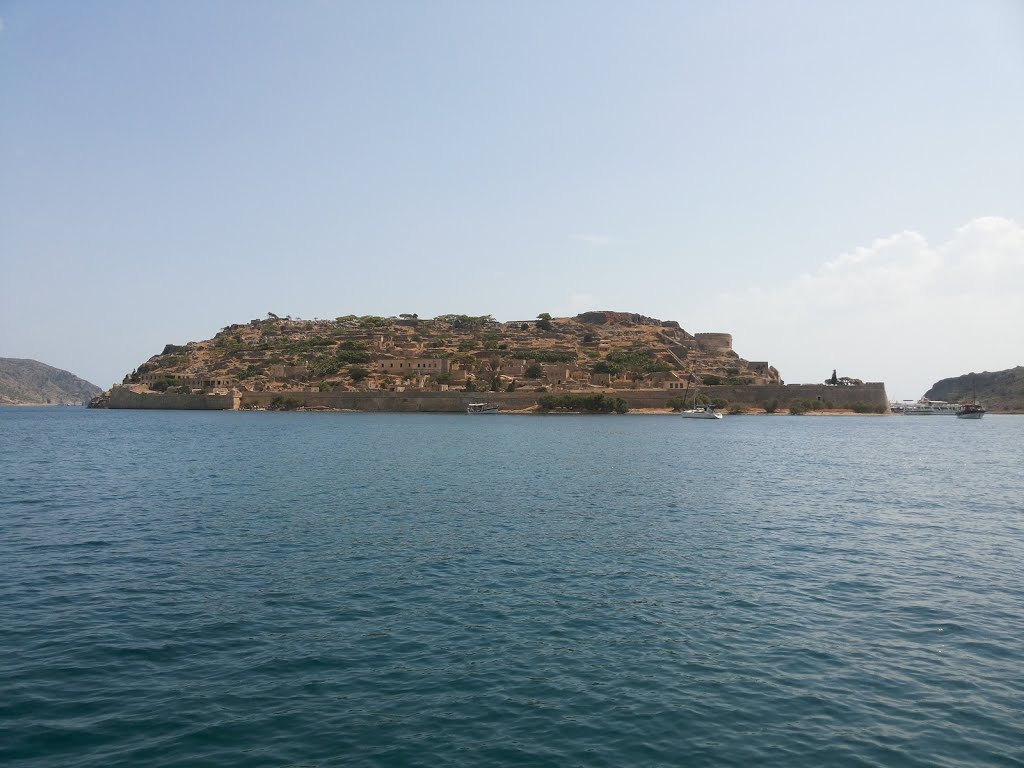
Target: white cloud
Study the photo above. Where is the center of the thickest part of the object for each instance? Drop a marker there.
(900, 310)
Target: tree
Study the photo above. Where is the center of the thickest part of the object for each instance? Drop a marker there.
(834, 381)
(543, 321)
(357, 374)
(535, 371)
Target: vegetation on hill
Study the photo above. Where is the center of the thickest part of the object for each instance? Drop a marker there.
(595, 350)
(29, 382)
(996, 390)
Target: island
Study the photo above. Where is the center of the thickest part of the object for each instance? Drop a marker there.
(441, 364)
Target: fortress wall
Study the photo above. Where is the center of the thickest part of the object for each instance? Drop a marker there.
(421, 402)
(450, 402)
(871, 394)
(121, 397)
(715, 340)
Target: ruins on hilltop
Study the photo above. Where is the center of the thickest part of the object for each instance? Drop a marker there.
(593, 351)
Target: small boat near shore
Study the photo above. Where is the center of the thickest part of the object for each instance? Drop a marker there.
(701, 412)
(697, 411)
(973, 409)
(970, 411)
(483, 408)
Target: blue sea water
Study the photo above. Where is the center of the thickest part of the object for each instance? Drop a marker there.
(265, 589)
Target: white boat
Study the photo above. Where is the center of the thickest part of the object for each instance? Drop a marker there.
(701, 412)
(697, 411)
(482, 408)
(926, 407)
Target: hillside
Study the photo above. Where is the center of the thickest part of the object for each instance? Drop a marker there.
(408, 353)
(28, 382)
(997, 390)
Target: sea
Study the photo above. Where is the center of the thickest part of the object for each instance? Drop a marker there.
(345, 589)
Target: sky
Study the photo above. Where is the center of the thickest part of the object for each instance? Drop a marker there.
(838, 185)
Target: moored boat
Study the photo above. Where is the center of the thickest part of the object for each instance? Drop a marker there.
(483, 408)
(701, 412)
(697, 411)
(970, 411)
(926, 407)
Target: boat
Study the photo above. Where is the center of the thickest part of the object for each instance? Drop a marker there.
(701, 412)
(970, 411)
(973, 409)
(926, 407)
(697, 411)
(483, 408)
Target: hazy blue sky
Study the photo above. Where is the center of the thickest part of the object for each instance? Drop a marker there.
(839, 185)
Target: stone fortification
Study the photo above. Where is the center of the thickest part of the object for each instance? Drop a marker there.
(122, 397)
(753, 396)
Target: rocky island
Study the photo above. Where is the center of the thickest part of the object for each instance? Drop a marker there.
(408, 363)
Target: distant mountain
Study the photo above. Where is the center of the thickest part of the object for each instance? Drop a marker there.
(997, 390)
(29, 382)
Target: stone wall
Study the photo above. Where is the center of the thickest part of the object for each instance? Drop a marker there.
(872, 394)
(122, 397)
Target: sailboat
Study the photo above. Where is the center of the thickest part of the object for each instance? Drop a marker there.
(697, 411)
(972, 410)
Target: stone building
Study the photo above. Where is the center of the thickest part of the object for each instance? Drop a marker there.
(400, 366)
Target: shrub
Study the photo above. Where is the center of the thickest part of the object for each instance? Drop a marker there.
(281, 403)
(863, 408)
(636, 361)
(677, 403)
(580, 402)
(800, 407)
(771, 407)
(543, 355)
(357, 374)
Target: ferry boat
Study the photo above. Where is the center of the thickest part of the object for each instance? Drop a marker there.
(483, 408)
(926, 407)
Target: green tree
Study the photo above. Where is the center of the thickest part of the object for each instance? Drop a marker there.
(535, 371)
(358, 374)
(543, 321)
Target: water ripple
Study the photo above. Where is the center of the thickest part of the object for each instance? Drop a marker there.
(297, 590)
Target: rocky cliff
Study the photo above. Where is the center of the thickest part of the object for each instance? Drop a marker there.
(996, 390)
(29, 382)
